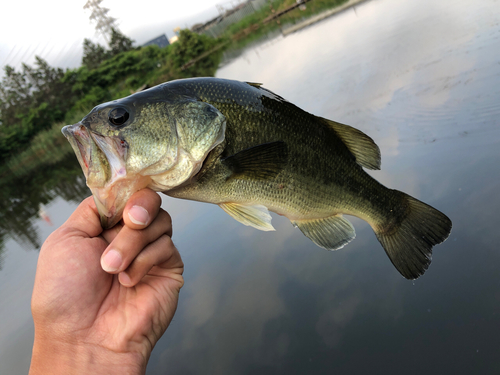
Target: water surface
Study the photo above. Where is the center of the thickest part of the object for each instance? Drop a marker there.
(423, 80)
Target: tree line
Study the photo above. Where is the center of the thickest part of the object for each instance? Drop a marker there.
(34, 98)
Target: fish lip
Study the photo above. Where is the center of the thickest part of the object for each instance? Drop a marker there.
(79, 139)
(111, 194)
(114, 149)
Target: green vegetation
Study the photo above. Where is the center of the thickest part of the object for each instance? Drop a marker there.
(95, 54)
(312, 8)
(190, 47)
(36, 98)
(255, 26)
(30, 101)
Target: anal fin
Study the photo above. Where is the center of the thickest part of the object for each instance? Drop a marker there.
(331, 233)
(256, 216)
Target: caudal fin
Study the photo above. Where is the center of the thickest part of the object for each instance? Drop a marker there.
(409, 243)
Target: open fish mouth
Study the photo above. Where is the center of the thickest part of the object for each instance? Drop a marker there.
(80, 141)
(103, 161)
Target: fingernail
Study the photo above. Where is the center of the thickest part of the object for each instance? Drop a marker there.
(138, 215)
(111, 261)
(124, 279)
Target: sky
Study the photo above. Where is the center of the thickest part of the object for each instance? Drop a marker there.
(55, 29)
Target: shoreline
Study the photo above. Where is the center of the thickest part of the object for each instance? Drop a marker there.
(321, 16)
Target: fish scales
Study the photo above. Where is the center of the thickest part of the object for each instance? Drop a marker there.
(313, 184)
(250, 151)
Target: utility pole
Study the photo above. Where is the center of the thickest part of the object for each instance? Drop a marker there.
(99, 16)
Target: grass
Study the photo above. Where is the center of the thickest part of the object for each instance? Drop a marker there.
(255, 23)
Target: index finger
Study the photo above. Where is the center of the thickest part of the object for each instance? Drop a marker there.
(85, 218)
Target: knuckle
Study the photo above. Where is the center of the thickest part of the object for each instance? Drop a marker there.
(166, 221)
(165, 216)
(142, 261)
(166, 241)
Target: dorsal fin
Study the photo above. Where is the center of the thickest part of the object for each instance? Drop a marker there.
(363, 148)
(254, 84)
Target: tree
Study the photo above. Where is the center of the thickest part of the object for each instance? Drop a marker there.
(119, 42)
(191, 46)
(93, 54)
(30, 101)
(99, 15)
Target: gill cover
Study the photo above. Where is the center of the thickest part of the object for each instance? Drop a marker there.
(200, 128)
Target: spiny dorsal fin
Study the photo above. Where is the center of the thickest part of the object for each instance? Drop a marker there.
(260, 162)
(254, 84)
(331, 233)
(256, 216)
(363, 148)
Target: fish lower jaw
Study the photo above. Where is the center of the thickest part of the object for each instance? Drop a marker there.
(111, 199)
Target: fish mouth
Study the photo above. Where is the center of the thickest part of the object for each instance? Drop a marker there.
(103, 161)
(79, 139)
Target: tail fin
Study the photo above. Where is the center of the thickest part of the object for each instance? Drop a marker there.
(409, 243)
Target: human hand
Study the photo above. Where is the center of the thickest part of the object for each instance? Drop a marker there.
(88, 320)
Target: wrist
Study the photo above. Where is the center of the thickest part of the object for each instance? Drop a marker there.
(53, 357)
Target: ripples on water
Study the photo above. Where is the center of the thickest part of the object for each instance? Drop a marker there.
(422, 79)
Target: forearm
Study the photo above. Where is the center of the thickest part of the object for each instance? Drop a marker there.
(50, 357)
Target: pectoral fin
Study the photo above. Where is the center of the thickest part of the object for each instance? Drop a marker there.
(256, 216)
(331, 233)
(260, 162)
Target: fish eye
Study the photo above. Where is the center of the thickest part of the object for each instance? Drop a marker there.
(118, 116)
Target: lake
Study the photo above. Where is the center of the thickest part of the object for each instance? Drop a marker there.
(422, 78)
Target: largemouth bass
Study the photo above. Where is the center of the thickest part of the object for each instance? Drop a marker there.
(248, 150)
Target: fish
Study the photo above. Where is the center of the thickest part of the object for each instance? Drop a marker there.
(250, 151)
